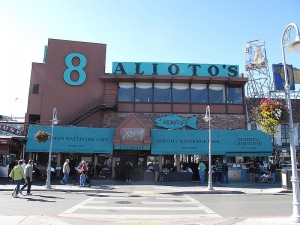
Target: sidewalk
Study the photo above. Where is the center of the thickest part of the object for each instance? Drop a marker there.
(182, 187)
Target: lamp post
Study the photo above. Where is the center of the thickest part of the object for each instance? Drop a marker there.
(294, 47)
(207, 118)
(54, 121)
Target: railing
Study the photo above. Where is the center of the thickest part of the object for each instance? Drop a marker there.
(102, 102)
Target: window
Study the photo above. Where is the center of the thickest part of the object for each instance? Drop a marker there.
(199, 93)
(162, 92)
(35, 88)
(143, 92)
(216, 93)
(285, 141)
(235, 94)
(126, 92)
(180, 93)
(253, 126)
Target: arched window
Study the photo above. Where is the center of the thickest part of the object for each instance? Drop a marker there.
(199, 93)
(126, 92)
(216, 93)
(180, 93)
(143, 92)
(162, 92)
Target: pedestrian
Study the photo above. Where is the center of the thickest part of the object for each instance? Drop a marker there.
(28, 171)
(225, 173)
(78, 169)
(156, 171)
(66, 171)
(201, 169)
(220, 171)
(23, 164)
(129, 171)
(273, 170)
(83, 172)
(252, 173)
(17, 174)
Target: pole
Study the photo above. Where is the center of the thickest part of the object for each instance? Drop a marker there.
(294, 178)
(53, 121)
(207, 119)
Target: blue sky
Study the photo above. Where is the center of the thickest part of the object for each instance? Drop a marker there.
(190, 31)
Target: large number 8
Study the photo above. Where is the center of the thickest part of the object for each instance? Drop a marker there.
(78, 68)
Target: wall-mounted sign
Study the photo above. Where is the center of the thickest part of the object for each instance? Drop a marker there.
(175, 122)
(279, 78)
(11, 129)
(171, 142)
(132, 134)
(131, 147)
(175, 69)
(72, 139)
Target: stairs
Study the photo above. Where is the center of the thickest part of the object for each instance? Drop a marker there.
(100, 103)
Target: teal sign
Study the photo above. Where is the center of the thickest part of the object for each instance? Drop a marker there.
(175, 122)
(72, 139)
(132, 147)
(171, 142)
(175, 69)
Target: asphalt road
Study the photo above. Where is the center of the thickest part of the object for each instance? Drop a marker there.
(144, 205)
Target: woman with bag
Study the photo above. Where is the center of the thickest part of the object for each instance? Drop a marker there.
(17, 174)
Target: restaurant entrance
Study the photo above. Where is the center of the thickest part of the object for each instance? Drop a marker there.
(130, 164)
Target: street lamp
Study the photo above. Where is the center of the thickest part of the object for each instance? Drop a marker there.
(207, 118)
(54, 121)
(293, 47)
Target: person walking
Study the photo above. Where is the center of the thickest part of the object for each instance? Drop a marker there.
(28, 171)
(83, 174)
(220, 171)
(66, 171)
(225, 173)
(17, 174)
(201, 169)
(273, 170)
(252, 173)
(156, 172)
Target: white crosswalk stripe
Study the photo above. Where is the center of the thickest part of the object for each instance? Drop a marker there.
(162, 208)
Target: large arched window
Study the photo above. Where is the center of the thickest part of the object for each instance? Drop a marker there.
(199, 93)
(143, 92)
(162, 92)
(216, 93)
(180, 93)
(126, 92)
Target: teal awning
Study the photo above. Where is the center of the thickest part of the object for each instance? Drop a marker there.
(169, 142)
(72, 140)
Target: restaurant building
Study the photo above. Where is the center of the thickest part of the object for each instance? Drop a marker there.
(140, 113)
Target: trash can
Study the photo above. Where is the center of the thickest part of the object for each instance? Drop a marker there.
(286, 178)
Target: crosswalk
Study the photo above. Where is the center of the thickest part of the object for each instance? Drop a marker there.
(141, 206)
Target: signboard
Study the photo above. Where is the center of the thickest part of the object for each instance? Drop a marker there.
(196, 141)
(72, 139)
(11, 129)
(175, 122)
(279, 79)
(131, 147)
(174, 69)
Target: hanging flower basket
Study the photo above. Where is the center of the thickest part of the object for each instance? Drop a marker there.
(269, 114)
(41, 136)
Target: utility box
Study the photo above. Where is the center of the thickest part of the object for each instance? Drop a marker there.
(286, 178)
